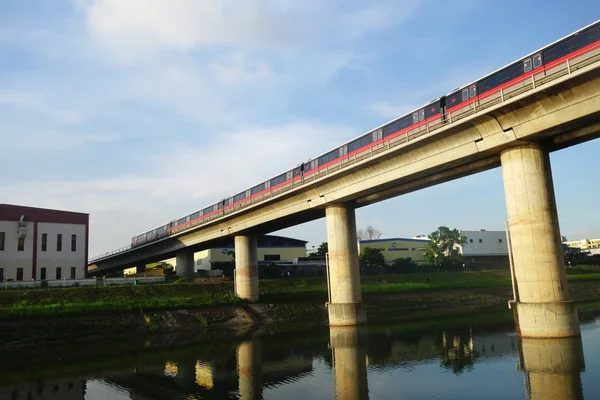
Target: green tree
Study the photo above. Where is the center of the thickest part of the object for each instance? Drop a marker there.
(403, 265)
(370, 257)
(443, 250)
(232, 254)
(322, 250)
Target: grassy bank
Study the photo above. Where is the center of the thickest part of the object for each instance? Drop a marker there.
(101, 300)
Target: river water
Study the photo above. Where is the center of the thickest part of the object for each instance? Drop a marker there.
(476, 357)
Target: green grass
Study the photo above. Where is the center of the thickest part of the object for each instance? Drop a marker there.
(97, 300)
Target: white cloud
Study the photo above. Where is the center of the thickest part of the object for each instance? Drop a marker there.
(50, 140)
(184, 179)
(238, 69)
(135, 28)
(34, 101)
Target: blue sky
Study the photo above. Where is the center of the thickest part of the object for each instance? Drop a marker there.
(140, 112)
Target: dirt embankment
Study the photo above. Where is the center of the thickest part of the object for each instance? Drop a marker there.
(244, 319)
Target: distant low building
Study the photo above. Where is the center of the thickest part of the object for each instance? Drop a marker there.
(394, 248)
(583, 244)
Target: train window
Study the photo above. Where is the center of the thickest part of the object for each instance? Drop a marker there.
(208, 210)
(257, 189)
(537, 61)
(182, 221)
(297, 172)
(326, 158)
(397, 126)
(572, 44)
(378, 134)
(422, 115)
(500, 78)
(527, 65)
(278, 179)
(239, 197)
(359, 143)
(343, 150)
(415, 117)
(472, 91)
(465, 94)
(194, 215)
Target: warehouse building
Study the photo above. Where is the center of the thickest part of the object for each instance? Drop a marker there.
(395, 248)
(42, 244)
(269, 248)
(485, 249)
(482, 250)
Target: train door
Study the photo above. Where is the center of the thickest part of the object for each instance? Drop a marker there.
(443, 109)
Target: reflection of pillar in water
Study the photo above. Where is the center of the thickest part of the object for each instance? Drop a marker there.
(349, 362)
(249, 365)
(552, 368)
(186, 373)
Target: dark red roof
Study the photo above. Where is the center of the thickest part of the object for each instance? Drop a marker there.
(10, 212)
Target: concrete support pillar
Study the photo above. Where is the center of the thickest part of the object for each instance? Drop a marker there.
(552, 368)
(249, 366)
(346, 306)
(246, 268)
(543, 308)
(349, 362)
(184, 264)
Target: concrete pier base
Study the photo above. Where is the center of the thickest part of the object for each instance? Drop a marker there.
(552, 368)
(184, 264)
(346, 306)
(249, 366)
(246, 268)
(349, 362)
(547, 320)
(543, 306)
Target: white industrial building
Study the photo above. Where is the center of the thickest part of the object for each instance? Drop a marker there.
(42, 244)
(485, 249)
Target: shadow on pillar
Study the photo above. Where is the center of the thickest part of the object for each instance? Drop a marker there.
(184, 264)
(246, 268)
(249, 367)
(345, 306)
(348, 344)
(552, 368)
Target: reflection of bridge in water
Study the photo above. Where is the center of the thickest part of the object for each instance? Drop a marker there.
(219, 370)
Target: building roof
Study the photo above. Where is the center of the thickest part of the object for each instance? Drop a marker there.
(394, 239)
(11, 212)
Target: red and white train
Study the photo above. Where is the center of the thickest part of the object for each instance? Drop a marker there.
(582, 47)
